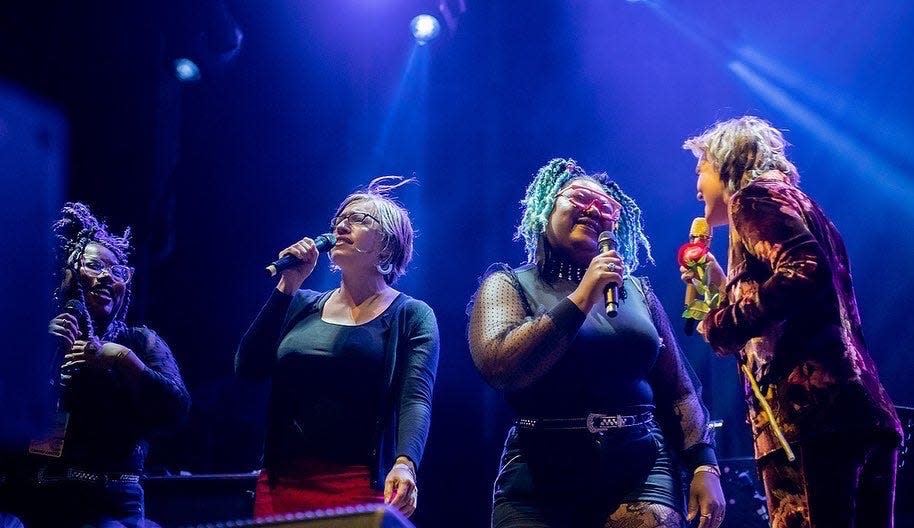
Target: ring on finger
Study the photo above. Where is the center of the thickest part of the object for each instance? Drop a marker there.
(611, 266)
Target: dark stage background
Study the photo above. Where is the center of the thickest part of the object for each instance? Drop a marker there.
(218, 175)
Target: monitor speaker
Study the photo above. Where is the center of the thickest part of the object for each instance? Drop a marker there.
(365, 516)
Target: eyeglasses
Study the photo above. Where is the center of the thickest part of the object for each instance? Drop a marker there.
(584, 198)
(353, 218)
(118, 272)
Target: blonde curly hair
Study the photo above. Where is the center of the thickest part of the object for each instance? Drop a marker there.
(742, 149)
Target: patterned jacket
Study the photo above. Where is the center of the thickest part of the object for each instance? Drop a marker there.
(791, 316)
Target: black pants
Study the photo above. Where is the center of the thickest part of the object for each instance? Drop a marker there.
(837, 481)
(74, 504)
(576, 478)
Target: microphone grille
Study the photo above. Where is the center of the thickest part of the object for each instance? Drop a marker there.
(325, 242)
(607, 239)
(700, 228)
(75, 306)
(77, 309)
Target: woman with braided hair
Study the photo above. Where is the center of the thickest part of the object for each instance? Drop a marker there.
(116, 384)
(608, 410)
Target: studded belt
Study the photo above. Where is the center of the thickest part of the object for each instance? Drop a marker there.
(47, 476)
(593, 422)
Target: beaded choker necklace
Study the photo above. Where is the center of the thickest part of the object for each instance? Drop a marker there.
(553, 268)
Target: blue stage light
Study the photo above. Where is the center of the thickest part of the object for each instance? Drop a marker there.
(186, 70)
(424, 28)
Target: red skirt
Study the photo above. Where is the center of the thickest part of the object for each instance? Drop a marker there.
(313, 485)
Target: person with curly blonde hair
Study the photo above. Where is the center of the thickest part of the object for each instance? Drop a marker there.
(790, 318)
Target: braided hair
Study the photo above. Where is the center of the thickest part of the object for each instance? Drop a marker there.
(76, 229)
(539, 202)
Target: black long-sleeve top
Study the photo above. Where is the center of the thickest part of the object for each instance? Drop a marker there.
(397, 366)
(613, 366)
(110, 419)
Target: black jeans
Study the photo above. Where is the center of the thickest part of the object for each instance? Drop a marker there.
(576, 478)
(74, 504)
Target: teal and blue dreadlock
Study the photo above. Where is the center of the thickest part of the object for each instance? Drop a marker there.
(539, 201)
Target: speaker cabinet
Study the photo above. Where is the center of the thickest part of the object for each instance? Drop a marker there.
(32, 160)
(186, 500)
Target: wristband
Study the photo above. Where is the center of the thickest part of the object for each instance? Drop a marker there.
(707, 468)
(412, 472)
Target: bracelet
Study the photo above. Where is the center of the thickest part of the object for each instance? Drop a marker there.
(707, 468)
(114, 360)
(121, 355)
(412, 471)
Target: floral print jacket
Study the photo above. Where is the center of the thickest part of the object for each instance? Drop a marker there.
(791, 316)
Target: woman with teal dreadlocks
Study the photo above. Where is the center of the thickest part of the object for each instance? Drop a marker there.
(608, 410)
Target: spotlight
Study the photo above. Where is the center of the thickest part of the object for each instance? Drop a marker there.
(424, 28)
(186, 70)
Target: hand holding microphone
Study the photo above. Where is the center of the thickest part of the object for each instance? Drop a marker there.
(69, 328)
(701, 273)
(297, 261)
(601, 281)
(69, 325)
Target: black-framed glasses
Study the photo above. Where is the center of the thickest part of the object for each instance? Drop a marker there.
(118, 272)
(353, 218)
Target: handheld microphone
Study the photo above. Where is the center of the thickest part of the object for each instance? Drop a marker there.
(323, 244)
(77, 309)
(700, 231)
(607, 242)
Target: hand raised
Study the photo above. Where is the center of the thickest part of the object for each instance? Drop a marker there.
(605, 268)
(715, 271)
(292, 278)
(65, 328)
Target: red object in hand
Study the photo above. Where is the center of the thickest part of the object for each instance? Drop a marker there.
(691, 252)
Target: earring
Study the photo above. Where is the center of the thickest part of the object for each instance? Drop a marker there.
(385, 269)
